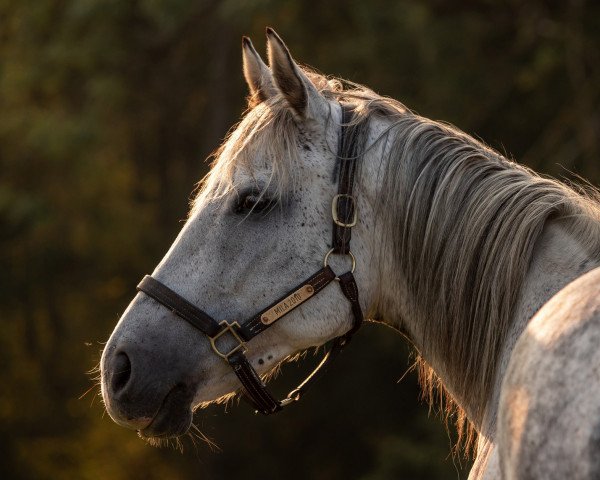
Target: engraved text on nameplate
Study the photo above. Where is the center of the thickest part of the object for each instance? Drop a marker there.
(288, 303)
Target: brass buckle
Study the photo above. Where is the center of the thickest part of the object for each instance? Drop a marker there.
(228, 327)
(334, 210)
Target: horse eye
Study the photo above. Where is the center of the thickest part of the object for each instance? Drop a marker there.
(253, 203)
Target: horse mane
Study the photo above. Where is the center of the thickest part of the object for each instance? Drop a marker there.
(462, 221)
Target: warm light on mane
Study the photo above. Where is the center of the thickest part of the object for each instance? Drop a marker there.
(461, 220)
(265, 131)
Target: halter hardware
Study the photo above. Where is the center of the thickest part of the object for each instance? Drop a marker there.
(228, 328)
(349, 253)
(344, 213)
(292, 397)
(334, 210)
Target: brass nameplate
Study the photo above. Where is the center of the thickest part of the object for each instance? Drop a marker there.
(287, 304)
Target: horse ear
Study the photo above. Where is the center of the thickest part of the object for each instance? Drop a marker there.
(292, 82)
(257, 74)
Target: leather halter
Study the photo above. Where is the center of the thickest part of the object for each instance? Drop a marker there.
(344, 215)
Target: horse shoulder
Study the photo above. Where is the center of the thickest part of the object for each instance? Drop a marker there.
(549, 416)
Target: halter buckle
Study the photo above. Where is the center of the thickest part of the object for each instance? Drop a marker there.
(334, 210)
(228, 327)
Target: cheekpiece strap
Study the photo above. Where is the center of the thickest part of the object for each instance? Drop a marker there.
(343, 208)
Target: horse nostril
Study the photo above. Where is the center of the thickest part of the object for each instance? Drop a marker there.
(121, 372)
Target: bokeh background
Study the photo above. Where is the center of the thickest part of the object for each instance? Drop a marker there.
(107, 111)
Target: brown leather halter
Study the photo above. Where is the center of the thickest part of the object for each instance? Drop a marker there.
(344, 214)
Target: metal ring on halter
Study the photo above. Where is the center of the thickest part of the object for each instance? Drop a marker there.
(326, 260)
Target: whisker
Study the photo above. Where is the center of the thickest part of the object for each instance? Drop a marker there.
(179, 444)
(87, 391)
(201, 436)
(193, 440)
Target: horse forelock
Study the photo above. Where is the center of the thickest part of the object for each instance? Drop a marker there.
(265, 139)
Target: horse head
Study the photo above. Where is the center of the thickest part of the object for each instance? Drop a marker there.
(260, 223)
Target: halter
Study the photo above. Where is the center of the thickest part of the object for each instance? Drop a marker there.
(344, 213)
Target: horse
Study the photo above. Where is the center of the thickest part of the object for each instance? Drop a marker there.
(487, 268)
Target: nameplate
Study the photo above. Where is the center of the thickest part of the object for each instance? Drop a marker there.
(288, 303)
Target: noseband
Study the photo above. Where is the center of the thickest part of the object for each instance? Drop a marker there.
(344, 213)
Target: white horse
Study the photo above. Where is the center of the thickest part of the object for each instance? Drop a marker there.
(456, 246)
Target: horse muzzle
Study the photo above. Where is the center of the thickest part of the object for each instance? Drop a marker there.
(155, 405)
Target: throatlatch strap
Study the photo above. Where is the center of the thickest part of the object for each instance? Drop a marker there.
(350, 290)
(179, 305)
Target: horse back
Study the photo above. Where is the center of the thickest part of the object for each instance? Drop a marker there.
(549, 417)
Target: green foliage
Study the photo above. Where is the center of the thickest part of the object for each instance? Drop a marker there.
(107, 108)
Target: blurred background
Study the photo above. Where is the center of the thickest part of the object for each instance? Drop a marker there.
(108, 109)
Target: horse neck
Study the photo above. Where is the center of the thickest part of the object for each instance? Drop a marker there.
(557, 258)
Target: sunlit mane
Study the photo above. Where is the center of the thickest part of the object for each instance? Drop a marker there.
(267, 132)
(461, 220)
